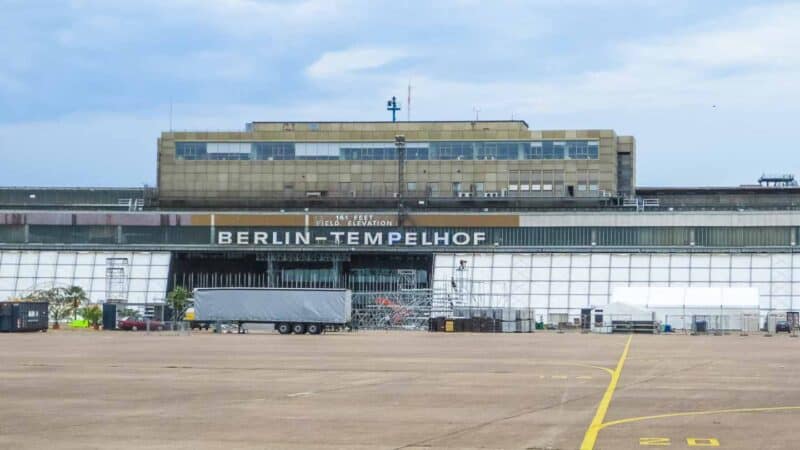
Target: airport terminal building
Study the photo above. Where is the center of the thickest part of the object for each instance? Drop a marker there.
(484, 213)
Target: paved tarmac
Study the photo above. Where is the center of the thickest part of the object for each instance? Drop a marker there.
(390, 390)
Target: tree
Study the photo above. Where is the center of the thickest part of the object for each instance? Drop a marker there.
(180, 299)
(92, 314)
(77, 297)
(59, 305)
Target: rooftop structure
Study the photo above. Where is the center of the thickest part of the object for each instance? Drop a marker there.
(285, 164)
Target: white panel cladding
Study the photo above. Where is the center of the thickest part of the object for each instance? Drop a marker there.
(9, 257)
(520, 287)
(145, 273)
(29, 258)
(720, 275)
(659, 273)
(8, 269)
(7, 284)
(519, 301)
(522, 260)
(521, 273)
(565, 282)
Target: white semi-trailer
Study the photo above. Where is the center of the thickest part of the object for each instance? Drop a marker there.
(296, 311)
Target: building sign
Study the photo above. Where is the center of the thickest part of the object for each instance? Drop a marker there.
(353, 220)
(352, 238)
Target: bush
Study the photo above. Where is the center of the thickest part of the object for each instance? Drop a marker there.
(92, 313)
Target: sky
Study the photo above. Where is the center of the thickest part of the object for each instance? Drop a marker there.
(710, 89)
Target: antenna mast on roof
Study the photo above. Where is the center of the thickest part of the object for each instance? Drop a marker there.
(408, 103)
(391, 105)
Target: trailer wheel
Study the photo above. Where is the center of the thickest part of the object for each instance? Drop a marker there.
(299, 328)
(283, 328)
(314, 328)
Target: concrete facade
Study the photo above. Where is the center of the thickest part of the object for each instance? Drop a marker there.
(226, 181)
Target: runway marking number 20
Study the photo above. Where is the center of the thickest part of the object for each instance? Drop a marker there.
(691, 442)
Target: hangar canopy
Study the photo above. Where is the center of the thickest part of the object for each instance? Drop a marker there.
(687, 297)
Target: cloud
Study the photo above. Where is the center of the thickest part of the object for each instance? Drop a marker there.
(764, 36)
(748, 60)
(345, 62)
(247, 19)
(95, 65)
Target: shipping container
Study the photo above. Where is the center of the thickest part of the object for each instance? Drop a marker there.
(23, 316)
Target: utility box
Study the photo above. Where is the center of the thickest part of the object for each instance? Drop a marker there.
(24, 316)
(109, 316)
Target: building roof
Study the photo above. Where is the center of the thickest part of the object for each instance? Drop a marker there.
(387, 126)
(98, 198)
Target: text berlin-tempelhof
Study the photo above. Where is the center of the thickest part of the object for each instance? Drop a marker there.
(374, 238)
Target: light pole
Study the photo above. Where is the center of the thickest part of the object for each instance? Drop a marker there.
(400, 143)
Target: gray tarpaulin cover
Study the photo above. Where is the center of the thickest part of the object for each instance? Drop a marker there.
(273, 305)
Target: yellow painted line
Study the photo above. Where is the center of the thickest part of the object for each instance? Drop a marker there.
(576, 364)
(606, 369)
(698, 413)
(597, 423)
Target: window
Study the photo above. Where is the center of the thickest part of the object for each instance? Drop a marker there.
(453, 150)
(546, 150)
(318, 151)
(561, 150)
(416, 153)
(368, 154)
(533, 151)
(588, 180)
(190, 150)
(411, 186)
(582, 149)
(497, 150)
(578, 150)
(268, 151)
(557, 152)
(593, 150)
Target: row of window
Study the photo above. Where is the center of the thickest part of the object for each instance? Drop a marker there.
(276, 151)
(381, 153)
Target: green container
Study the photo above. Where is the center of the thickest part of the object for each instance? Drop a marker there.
(79, 324)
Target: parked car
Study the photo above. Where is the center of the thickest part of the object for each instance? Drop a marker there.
(783, 327)
(134, 324)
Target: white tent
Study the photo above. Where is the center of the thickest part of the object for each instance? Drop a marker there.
(617, 312)
(676, 305)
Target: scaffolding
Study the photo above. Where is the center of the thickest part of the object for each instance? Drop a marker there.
(408, 309)
(117, 280)
(400, 300)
